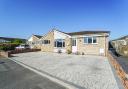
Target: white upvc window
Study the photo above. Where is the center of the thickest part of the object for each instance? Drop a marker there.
(59, 43)
(73, 42)
(90, 40)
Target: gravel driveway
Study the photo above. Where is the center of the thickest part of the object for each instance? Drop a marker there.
(83, 71)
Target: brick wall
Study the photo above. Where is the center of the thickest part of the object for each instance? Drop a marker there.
(120, 72)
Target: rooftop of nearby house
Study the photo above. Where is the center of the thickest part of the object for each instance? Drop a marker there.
(87, 32)
(124, 37)
(121, 38)
(38, 36)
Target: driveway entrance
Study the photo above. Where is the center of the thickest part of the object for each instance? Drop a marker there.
(81, 71)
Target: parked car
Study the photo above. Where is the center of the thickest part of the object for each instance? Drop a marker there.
(23, 46)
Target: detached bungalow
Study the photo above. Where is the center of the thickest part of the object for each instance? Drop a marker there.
(34, 41)
(83, 42)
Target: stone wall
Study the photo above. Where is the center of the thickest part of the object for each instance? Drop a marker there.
(8, 53)
(68, 44)
(4, 54)
(120, 72)
(93, 49)
(48, 47)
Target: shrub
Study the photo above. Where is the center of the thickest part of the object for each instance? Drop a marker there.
(1, 47)
(69, 51)
(17, 41)
(5, 48)
(9, 46)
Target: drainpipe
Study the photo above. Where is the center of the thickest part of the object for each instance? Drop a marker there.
(105, 45)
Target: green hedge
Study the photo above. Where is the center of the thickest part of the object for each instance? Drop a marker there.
(7, 47)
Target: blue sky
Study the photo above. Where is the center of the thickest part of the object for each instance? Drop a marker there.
(21, 18)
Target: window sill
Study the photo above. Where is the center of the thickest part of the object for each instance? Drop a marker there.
(59, 47)
(90, 43)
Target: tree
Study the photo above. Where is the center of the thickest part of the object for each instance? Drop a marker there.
(17, 41)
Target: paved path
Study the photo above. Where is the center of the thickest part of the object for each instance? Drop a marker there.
(14, 76)
(83, 72)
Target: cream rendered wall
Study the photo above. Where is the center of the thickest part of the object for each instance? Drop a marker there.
(59, 35)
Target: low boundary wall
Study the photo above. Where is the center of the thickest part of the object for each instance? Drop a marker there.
(23, 51)
(120, 72)
(4, 54)
(8, 53)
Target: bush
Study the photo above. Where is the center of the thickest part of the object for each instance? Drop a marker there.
(2, 47)
(9, 46)
(17, 41)
(5, 48)
(69, 51)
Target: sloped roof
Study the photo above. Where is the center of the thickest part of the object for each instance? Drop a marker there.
(38, 36)
(87, 32)
(121, 38)
(75, 33)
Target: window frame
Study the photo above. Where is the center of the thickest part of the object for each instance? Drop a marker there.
(63, 43)
(92, 39)
(45, 42)
(74, 42)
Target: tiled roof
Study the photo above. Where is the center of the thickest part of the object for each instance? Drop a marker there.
(87, 32)
(38, 36)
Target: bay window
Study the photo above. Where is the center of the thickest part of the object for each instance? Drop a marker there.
(59, 43)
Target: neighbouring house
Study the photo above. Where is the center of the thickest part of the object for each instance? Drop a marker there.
(4, 41)
(121, 45)
(8, 39)
(120, 41)
(83, 42)
(34, 41)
